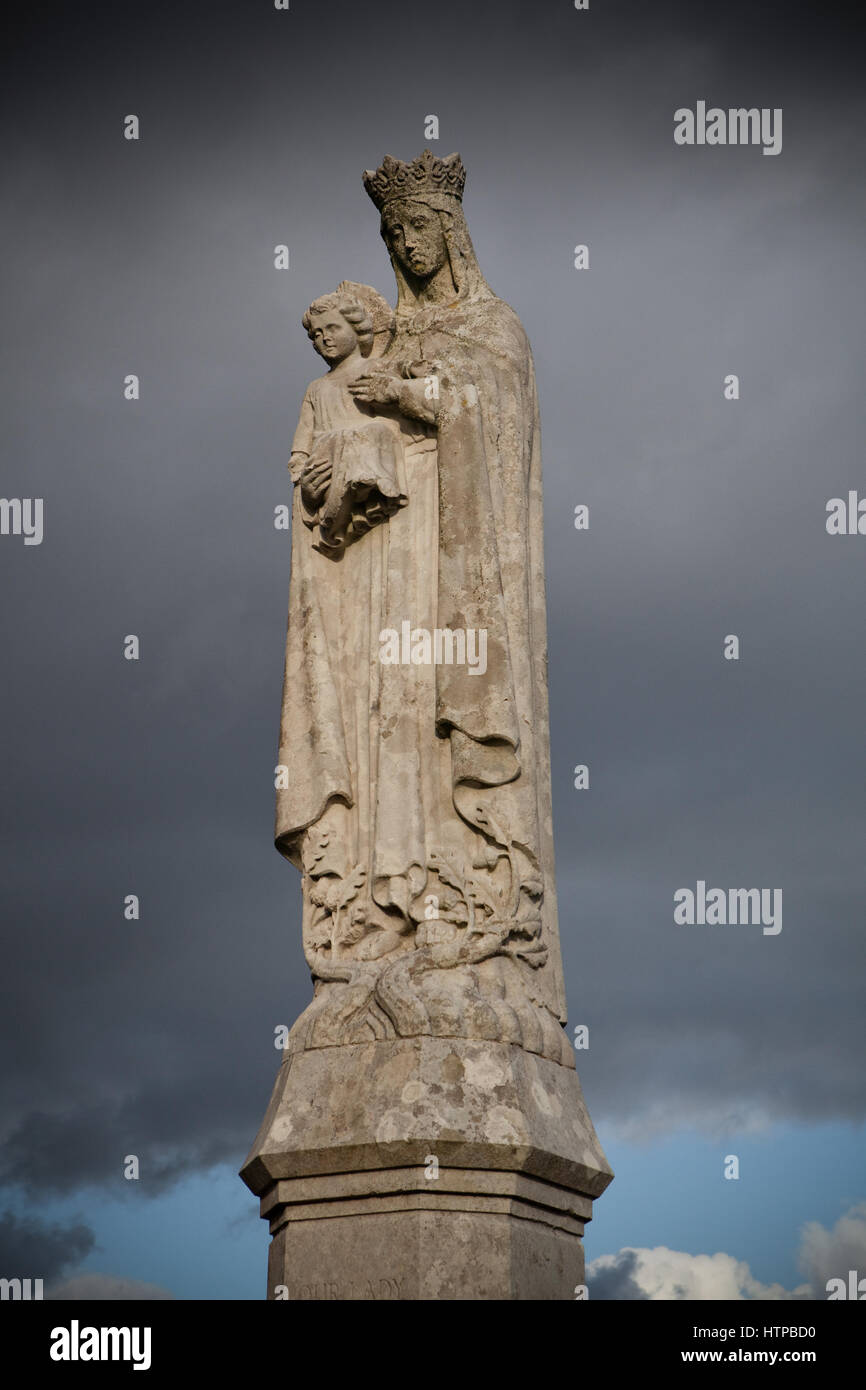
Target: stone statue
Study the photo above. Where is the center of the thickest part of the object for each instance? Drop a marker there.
(414, 732)
(427, 1135)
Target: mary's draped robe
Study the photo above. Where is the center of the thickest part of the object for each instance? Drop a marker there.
(418, 804)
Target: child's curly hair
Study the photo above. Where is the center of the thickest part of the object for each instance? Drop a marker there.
(353, 312)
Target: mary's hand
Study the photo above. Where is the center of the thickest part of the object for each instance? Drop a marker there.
(315, 480)
(375, 388)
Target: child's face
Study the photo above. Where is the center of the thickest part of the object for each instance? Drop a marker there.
(333, 338)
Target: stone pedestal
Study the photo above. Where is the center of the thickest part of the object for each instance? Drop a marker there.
(426, 1168)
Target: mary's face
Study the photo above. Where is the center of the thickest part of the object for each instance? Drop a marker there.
(414, 235)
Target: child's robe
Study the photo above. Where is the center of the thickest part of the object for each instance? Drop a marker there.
(365, 451)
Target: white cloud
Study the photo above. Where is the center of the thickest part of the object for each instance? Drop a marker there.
(661, 1273)
(831, 1254)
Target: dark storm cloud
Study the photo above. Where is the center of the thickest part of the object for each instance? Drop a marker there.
(156, 1037)
(616, 1280)
(169, 1129)
(32, 1249)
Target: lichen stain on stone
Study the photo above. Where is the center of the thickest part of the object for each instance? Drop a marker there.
(452, 1068)
(504, 1125)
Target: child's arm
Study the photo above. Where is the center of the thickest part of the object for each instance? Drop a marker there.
(303, 441)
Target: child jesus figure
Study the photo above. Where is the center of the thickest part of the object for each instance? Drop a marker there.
(348, 461)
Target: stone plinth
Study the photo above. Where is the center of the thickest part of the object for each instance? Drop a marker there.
(426, 1168)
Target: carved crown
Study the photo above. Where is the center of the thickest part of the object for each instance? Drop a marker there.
(426, 174)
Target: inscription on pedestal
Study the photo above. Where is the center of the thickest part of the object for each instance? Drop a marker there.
(335, 1288)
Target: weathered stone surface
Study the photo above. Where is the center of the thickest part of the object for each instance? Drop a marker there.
(442, 1168)
(425, 1254)
(415, 799)
(413, 795)
(388, 1104)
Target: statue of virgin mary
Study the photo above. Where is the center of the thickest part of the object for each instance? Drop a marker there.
(417, 802)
